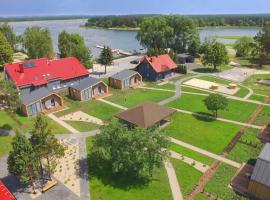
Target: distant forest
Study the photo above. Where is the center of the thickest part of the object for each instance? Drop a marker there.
(133, 21)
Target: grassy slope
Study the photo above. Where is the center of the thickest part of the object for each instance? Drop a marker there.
(187, 176)
(131, 97)
(157, 189)
(213, 136)
(263, 117)
(257, 98)
(5, 145)
(236, 110)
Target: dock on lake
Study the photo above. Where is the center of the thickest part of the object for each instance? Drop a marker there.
(117, 51)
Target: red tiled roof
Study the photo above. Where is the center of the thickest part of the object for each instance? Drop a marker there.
(45, 70)
(5, 194)
(161, 63)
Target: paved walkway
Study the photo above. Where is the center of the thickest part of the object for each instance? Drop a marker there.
(194, 163)
(174, 185)
(113, 104)
(62, 123)
(219, 119)
(207, 153)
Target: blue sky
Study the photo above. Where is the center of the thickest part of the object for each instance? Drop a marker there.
(106, 7)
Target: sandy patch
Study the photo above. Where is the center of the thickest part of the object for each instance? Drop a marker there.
(81, 116)
(208, 85)
(67, 170)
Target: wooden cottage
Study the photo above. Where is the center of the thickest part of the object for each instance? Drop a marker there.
(125, 79)
(145, 115)
(88, 88)
(259, 185)
(156, 67)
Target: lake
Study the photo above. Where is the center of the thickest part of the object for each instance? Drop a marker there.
(125, 40)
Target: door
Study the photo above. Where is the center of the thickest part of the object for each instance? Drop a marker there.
(52, 102)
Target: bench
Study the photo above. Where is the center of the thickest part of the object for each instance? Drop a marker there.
(49, 185)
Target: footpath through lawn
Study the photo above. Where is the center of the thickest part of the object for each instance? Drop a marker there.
(237, 110)
(205, 133)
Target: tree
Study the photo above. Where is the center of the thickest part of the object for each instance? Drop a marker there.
(6, 52)
(215, 102)
(175, 32)
(37, 42)
(22, 161)
(155, 33)
(106, 57)
(7, 31)
(185, 34)
(263, 38)
(9, 96)
(244, 46)
(130, 153)
(74, 45)
(45, 144)
(215, 55)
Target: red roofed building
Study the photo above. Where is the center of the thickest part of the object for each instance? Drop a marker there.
(39, 81)
(156, 67)
(5, 194)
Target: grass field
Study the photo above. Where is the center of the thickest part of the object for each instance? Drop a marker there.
(95, 108)
(191, 154)
(227, 37)
(258, 88)
(133, 97)
(25, 124)
(218, 185)
(5, 145)
(257, 98)
(201, 197)
(107, 187)
(210, 135)
(187, 176)
(83, 126)
(263, 117)
(236, 110)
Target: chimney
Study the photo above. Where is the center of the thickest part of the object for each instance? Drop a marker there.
(21, 69)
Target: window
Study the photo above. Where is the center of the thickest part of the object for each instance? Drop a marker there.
(34, 109)
(126, 83)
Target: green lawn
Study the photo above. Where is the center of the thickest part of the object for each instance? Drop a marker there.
(97, 109)
(106, 187)
(191, 154)
(5, 145)
(25, 124)
(243, 152)
(263, 118)
(167, 86)
(219, 184)
(189, 89)
(210, 135)
(83, 126)
(232, 37)
(237, 110)
(187, 176)
(201, 197)
(257, 98)
(133, 97)
(258, 88)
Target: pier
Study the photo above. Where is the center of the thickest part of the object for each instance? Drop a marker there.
(117, 51)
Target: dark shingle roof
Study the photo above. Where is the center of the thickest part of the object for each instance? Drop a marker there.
(261, 172)
(122, 75)
(85, 83)
(146, 114)
(35, 95)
